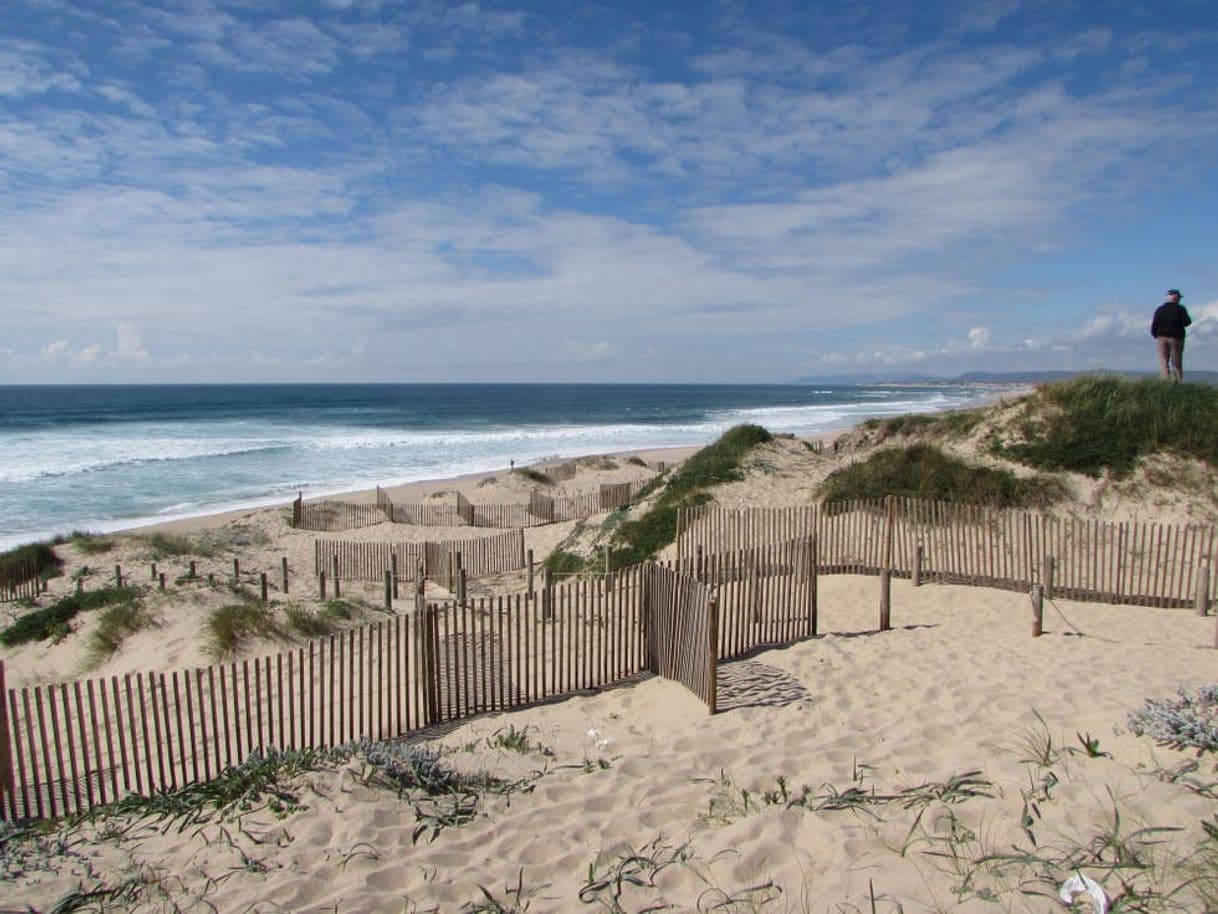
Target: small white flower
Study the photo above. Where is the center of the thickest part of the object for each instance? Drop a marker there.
(592, 734)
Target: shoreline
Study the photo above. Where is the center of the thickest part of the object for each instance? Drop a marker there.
(208, 518)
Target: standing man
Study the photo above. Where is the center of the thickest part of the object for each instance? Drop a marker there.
(1167, 328)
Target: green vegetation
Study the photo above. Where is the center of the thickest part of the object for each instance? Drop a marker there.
(639, 540)
(636, 460)
(15, 563)
(1098, 423)
(52, 621)
(560, 561)
(160, 546)
(116, 622)
(542, 479)
(342, 610)
(954, 424)
(229, 627)
(925, 472)
(91, 543)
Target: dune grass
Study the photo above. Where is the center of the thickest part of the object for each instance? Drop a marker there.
(923, 471)
(16, 563)
(537, 476)
(1103, 423)
(54, 621)
(637, 540)
(231, 626)
(91, 543)
(115, 624)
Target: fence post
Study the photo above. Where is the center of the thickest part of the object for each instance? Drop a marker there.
(890, 513)
(608, 572)
(334, 575)
(712, 654)
(193, 571)
(321, 583)
(461, 582)
(885, 600)
(813, 586)
(547, 609)
(1203, 589)
(296, 509)
(917, 566)
(154, 571)
(1038, 610)
(7, 781)
(262, 585)
(698, 566)
(529, 573)
(284, 565)
(162, 580)
(118, 575)
(393, 571)
(1047, 576)
(236, 571)
(80, 585)
(389, 590)
(678, 539)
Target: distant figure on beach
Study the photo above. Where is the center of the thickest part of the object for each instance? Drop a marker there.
(1167, 328)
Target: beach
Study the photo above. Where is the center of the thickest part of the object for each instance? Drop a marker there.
(952, 763)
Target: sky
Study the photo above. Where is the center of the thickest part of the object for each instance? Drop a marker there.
(371, 190)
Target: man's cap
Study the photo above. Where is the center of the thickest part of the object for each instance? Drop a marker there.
(1173, 292)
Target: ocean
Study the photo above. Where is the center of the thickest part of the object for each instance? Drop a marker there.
(104, 458)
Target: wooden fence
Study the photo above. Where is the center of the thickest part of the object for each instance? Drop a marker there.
(19, 580)
(369, 561)
(330, 515)
(70, 746)
(1145, 564)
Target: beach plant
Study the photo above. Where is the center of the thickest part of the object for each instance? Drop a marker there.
(638, 540)
(537, 476)
(636, 460)
(91, 543)
(115, 623)
(54, 620)
(1099, 423)
(923, 471)
(16, 563)
(516, 898)
(232, 625)
(1190, 721)
(308, 623)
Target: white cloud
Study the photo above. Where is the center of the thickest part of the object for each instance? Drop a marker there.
(979, 337)
(577, 351)
(130, 343)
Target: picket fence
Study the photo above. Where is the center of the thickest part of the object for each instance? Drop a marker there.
(20, 580)
(67, 747)
(354, 561)
(329, 515)
(1130, 563)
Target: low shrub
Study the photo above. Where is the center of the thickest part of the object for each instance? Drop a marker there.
(116, 623)
(53, 621)
(639, 540)
(923, 471)
(537, 476)
(24, 563)
(1098, 423)
(231, 626)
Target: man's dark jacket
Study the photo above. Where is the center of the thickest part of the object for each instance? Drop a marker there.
(1170, 320)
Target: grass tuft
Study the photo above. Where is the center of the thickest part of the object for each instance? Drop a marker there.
(53, 621)
(115, 624)
(923, 471)
(309, 623)
(231, 626)
(537, 476)
(16, 563)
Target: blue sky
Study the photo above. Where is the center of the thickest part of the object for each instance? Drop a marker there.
(364, 190)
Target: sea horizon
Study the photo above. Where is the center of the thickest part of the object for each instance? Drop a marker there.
(109, 457)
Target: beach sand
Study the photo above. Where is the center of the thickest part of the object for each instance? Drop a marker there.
(825, 782)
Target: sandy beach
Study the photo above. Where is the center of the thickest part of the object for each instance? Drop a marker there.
(953, 763)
